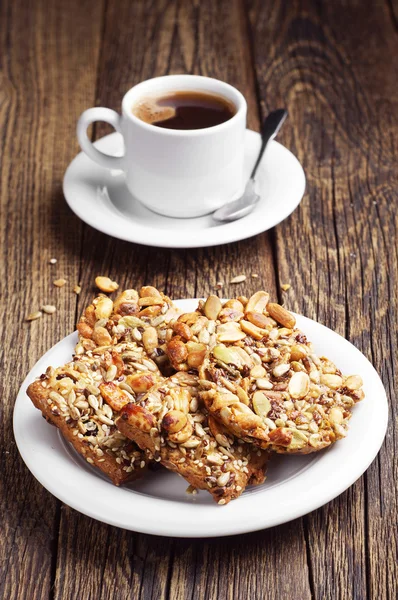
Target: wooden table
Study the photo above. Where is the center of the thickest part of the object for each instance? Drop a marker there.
(334, 66)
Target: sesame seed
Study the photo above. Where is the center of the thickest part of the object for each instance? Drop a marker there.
(33, 316)
(238, 279)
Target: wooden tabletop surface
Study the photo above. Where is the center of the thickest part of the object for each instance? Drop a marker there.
(334, 66)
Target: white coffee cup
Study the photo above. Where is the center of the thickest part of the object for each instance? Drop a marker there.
(177, 173)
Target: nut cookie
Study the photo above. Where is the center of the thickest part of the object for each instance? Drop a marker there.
(139, 317)
(260, 377)
(174, 428)
(83, 397)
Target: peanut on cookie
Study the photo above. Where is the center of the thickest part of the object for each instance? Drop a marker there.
(83, 398)
(172, 425)
(260, 377)
(135, 316)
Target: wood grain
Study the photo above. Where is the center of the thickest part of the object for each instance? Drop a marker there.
(267, 564)
(42, 91)
(209, 39)
(333, 65)
(104, 562)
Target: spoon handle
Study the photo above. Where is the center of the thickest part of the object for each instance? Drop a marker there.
(269, 130)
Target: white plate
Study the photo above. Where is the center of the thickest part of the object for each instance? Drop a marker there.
(159, 505)
(100, 198)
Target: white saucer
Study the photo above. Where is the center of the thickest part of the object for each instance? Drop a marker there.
(100, 198)
(158, 504)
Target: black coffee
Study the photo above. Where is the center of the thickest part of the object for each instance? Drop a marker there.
(185, 110)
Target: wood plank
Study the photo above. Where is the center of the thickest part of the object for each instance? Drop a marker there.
(268, 564)
(100, 561)
(333, 65)
(42, 90)
(155, 39)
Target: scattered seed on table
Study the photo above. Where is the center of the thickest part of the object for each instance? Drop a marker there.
(33, 316)
(238, 279)
(59, 282)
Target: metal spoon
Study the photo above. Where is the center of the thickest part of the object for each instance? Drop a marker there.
(245, 204)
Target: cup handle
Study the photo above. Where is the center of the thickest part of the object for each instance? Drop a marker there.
(87, 118)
